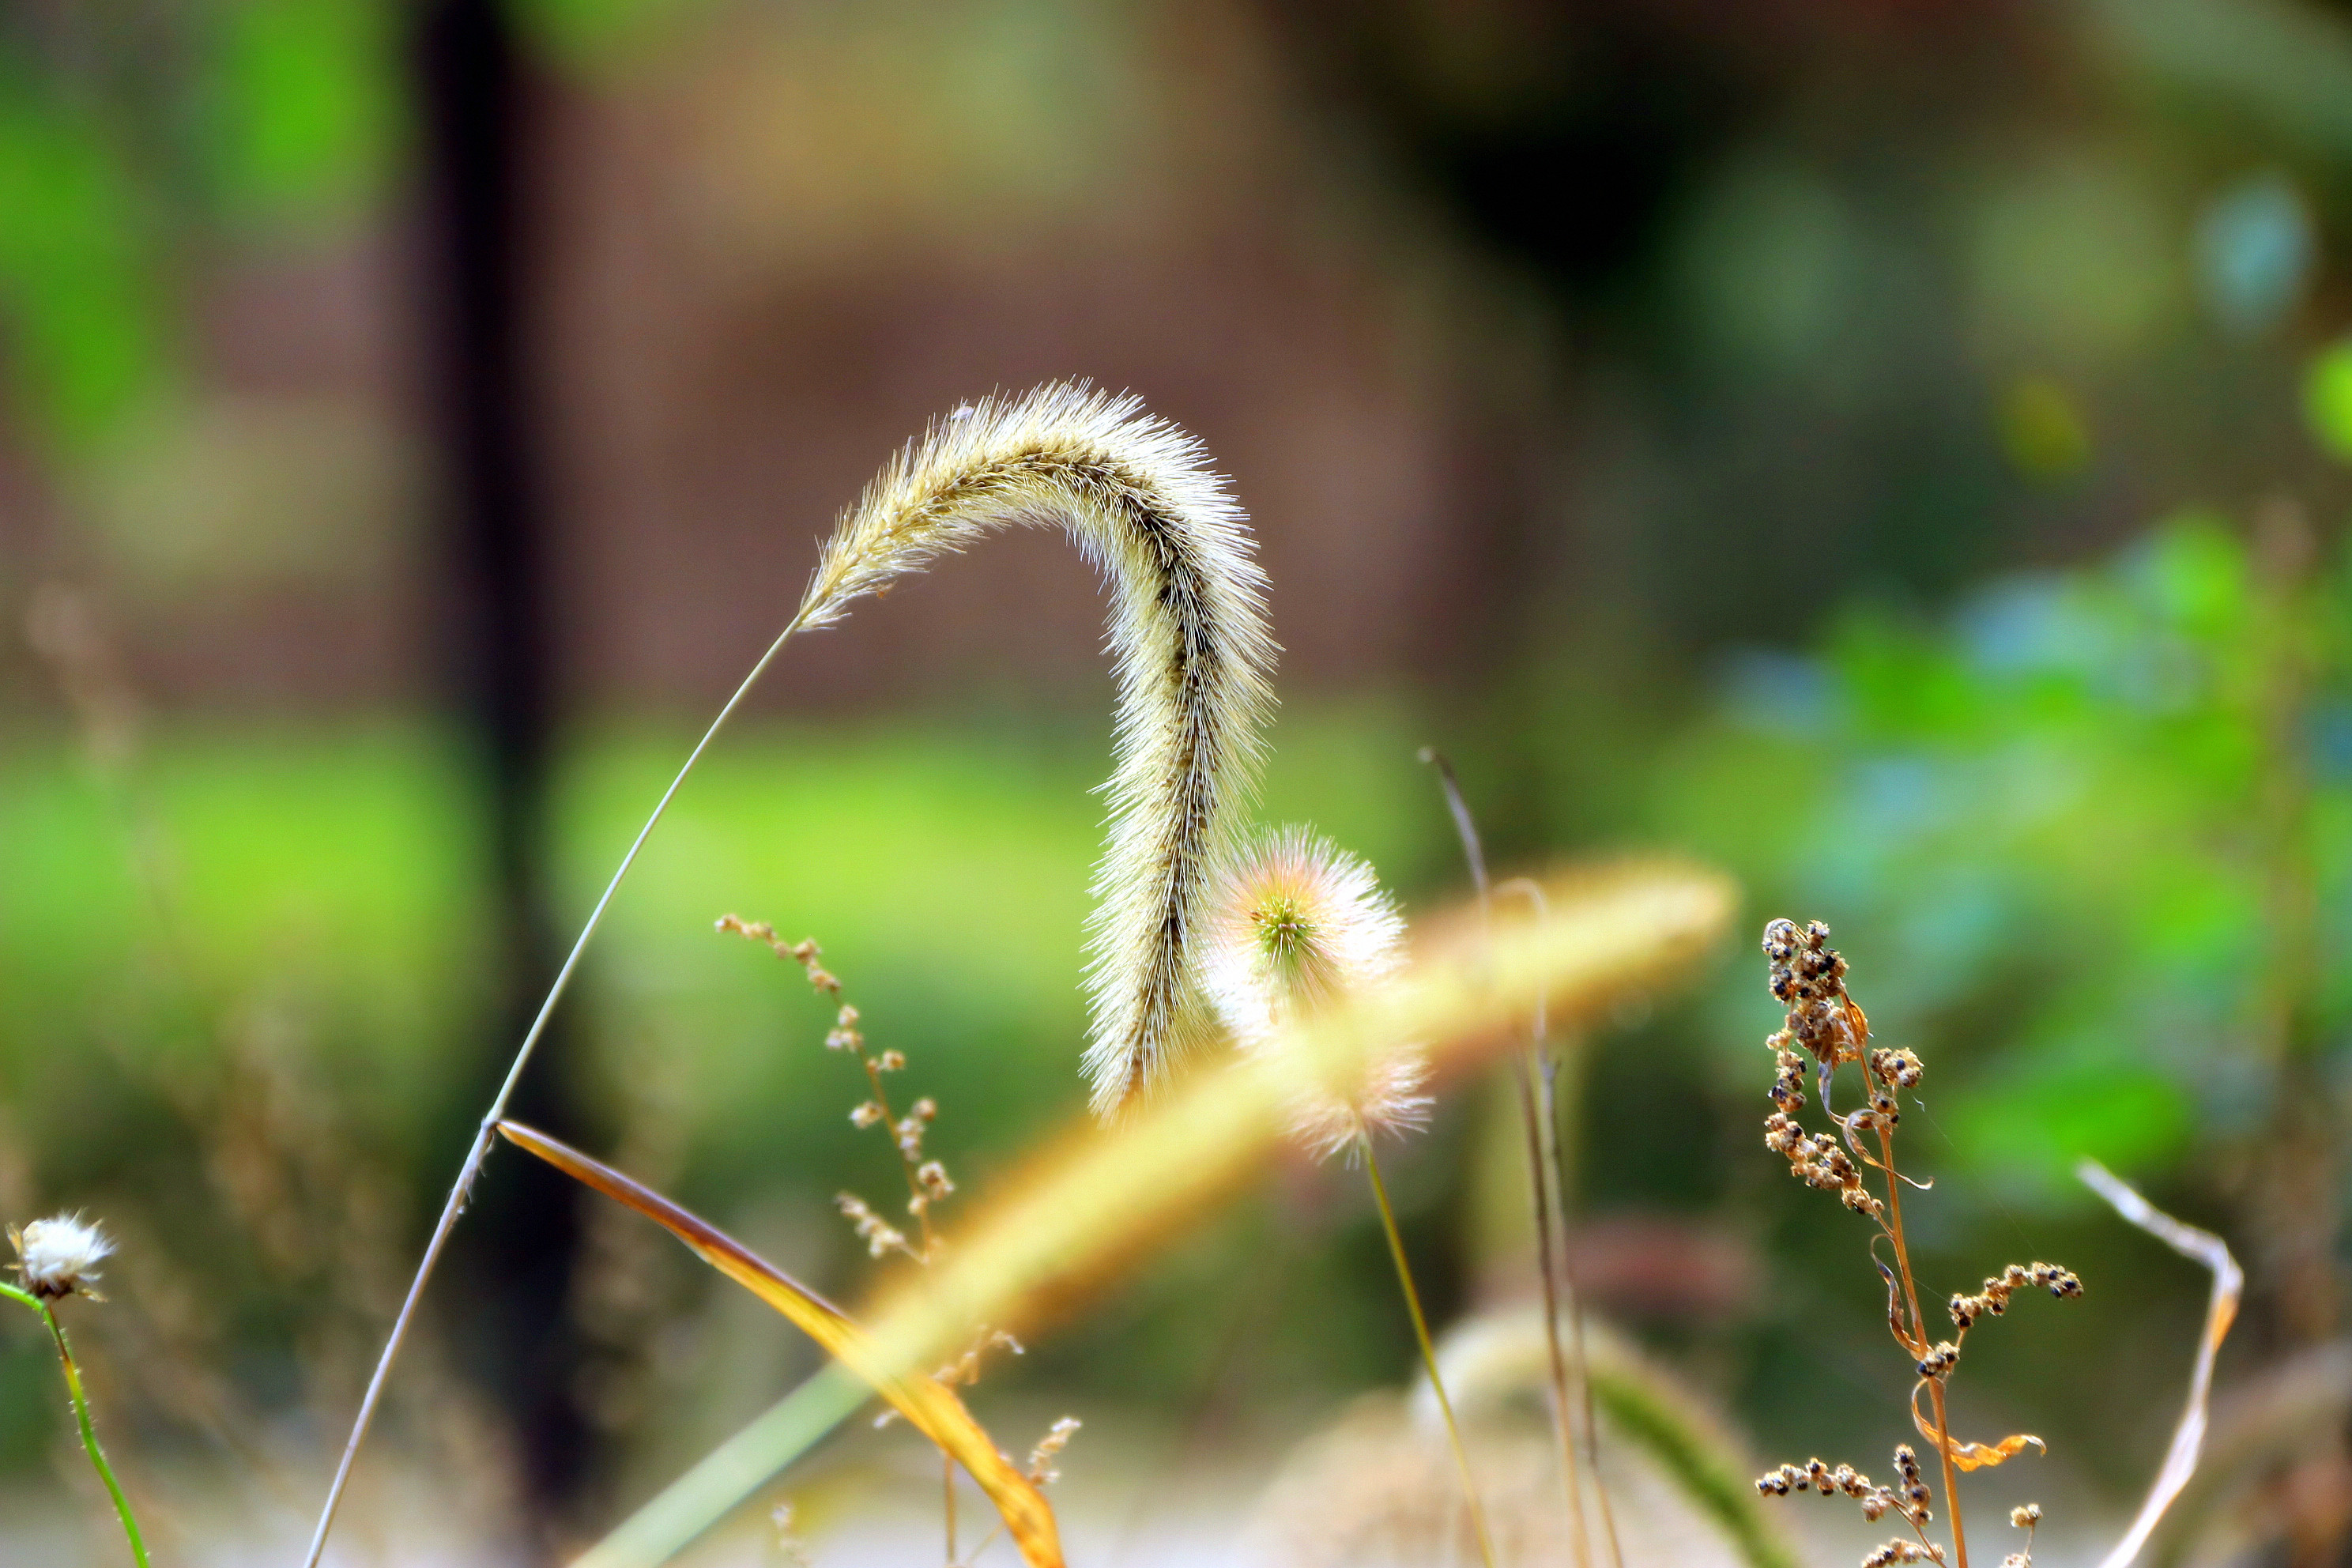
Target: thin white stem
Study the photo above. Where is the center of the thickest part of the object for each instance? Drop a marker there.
(462, 1188)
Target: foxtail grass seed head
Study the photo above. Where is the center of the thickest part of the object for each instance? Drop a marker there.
(58, 1257)
(1193, 657)
(1295, 924)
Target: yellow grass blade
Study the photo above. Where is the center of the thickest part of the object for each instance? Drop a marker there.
(930, 1406)
(1108, 1192)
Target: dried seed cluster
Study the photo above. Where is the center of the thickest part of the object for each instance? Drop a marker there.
(928, 1182)
(1808, 977)
(1993, 1300)
(1911, 1499)
(964, 1371)
(1049, 1448)
(2024, 1519)
(1824, 1029)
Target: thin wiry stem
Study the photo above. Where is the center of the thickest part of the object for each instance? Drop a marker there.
(1536, 1112)
(81, 1418)
(1428, 1352)
(1919, 1332)
(461, 1189)
(1551, 1184)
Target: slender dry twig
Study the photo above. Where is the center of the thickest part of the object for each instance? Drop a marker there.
(462, 1188)
(1536, 1114)
(1552, 1233)
(2220, 1311)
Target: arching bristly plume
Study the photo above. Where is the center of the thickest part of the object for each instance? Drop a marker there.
(1188, 635)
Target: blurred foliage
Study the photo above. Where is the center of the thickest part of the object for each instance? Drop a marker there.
(2044, 827)
(259, 955)
(87, 332)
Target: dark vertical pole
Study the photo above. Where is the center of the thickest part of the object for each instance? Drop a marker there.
(514, 1255)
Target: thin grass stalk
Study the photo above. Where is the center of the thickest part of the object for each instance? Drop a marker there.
(1534, 1116)
(81, 1419)
(1552, 1181)
(486, 1134)
(1428, 1352)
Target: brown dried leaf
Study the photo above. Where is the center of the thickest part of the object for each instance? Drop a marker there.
(1974, 1456)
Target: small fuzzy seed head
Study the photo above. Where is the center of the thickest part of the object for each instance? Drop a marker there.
(60, 1257)
(1295, 924)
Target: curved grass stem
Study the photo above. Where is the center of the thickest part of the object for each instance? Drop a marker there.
(462, 1188)
(1428, 1352)
(81, 1418)
(1539, 1119)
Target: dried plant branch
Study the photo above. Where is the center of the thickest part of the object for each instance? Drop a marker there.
(2220, 1311)
(1188, 635)
(1103, 1198)
(1826, 1029)
(928, 1404)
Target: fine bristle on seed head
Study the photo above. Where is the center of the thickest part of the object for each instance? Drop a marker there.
(1294, 923)
(1187, 633)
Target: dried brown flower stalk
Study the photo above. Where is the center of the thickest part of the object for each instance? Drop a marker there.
(1825, 1027)
(927, 1185)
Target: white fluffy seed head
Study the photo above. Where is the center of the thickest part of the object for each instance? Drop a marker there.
(60, 1256)
(1295, 924)
(1188, 635)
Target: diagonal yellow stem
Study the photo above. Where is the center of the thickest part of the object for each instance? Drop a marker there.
(1428, 1352)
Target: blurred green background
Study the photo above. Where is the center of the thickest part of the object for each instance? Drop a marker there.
(1894, 451)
